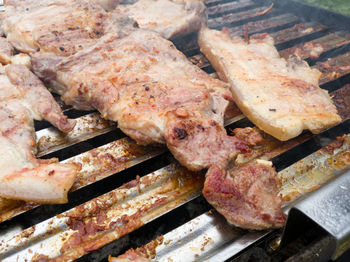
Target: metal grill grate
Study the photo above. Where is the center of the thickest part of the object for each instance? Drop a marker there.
(106, 217)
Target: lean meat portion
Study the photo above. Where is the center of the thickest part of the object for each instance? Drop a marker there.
(281, 97)
(247, 195)
(24, 98)
(170, 18)
(154, 93)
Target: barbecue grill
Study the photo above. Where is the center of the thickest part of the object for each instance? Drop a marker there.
(129, 196)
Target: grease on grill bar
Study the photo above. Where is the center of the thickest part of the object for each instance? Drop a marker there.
(97, 222)
(209, 238)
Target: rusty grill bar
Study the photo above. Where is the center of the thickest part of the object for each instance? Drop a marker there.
(124, 190)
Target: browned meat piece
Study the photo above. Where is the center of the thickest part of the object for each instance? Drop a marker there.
(249, 135)
(170, 18)
(129, 256)
(247, 195)
(24, 98)
(140, 80)
(132, 76)
(59, 27)
(154, 93)
(281, 97)
(6, 51)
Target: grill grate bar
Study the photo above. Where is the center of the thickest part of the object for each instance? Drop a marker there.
(107, 217)
(50, 139)
(326, 43)
(89, 209)
(210, 3)
(334, 68)
(230, 7)
(210, 238)
(241, 17)
(278, 21)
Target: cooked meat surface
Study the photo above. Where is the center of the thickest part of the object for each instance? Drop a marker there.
(281, 97)
(170, 18)
(154, 93)
(24, 98)
(246, 195)
(56, 26)
(129, 256)
(6, 51)
(249, 135)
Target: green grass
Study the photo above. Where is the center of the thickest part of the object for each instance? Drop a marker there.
(341, 6)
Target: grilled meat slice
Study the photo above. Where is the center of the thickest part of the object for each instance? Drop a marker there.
(246, 195)
(154, 93)
(59, 27)
(281, 97)
(170, 18)
(132, 76)
(6, 51)
(24, 98)
(129, 256)
(249, 135)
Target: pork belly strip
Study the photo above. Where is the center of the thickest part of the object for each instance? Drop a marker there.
(24, 98)
(170, 18)
(281, 97)
(154, 93)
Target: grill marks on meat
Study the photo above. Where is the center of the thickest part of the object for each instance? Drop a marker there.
(154, 93)
(23, 98)
(281, 97)
(170, 18)
(247, 195)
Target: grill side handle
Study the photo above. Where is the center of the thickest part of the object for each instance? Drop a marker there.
(328, 209)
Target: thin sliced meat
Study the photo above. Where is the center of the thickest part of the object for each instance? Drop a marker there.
(246, 195)
(59, 27)
(281, 97)
(170, 18)
(24, 98)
